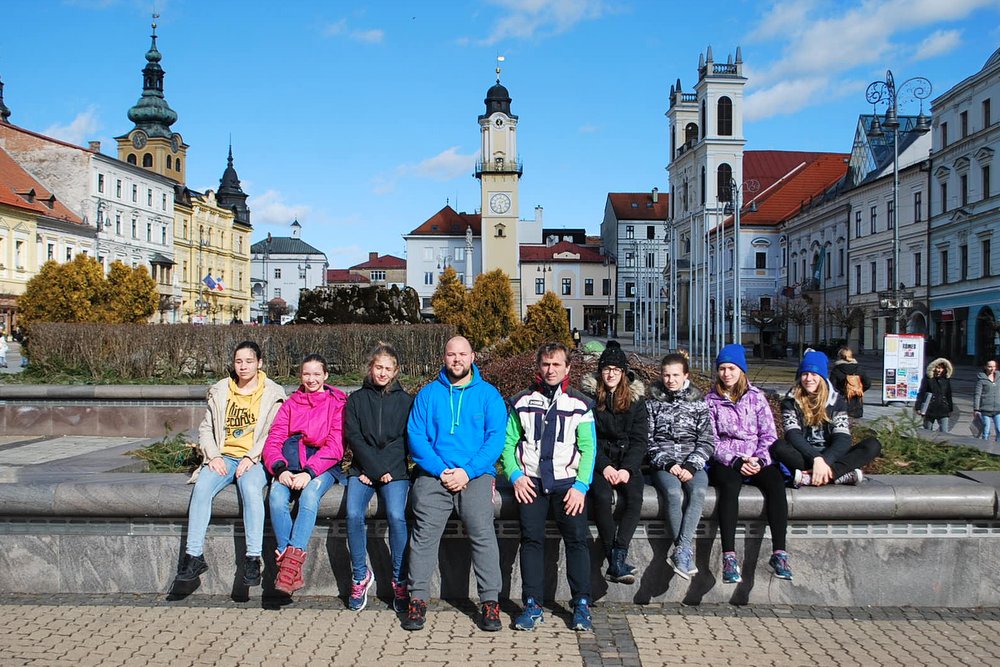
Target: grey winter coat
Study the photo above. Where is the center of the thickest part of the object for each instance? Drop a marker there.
(680, 428)
(987, 397)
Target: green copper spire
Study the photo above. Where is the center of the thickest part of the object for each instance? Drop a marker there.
(152, 113)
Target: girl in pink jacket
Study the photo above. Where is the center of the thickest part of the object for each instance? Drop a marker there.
(302, 453)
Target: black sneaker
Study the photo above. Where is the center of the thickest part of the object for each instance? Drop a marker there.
(489, 617)
(416, 615)
(191, 568)
(251, 571)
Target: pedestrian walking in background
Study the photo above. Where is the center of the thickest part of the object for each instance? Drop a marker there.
(3, 351)
(376, 432)
(744, 428)
(934, 402)
(241, 409)
(620, 420)
(986, 401)
(302, 453)
(576, 337)
(681, 441)
(850, 381)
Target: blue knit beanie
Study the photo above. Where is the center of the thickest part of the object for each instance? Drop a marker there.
(815, 362)
(732, 354)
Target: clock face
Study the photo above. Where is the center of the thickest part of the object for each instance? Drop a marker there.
(139, 139)
(500, 203)
(499, 122)
(175, 143)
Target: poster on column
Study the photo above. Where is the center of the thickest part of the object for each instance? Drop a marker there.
(902, 367)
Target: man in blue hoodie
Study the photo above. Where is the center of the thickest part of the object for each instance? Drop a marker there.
(456, 434)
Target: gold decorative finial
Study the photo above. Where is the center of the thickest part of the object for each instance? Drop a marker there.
(155, 16)
(500, 59)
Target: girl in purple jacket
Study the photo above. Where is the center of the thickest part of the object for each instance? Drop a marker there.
(744, 426)
(302, 451)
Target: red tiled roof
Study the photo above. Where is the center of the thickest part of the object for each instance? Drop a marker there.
(542, 253)
(788, 179)
(16, 183)
(387, 262)
(449, 222)
(639, 205)
(344, 276)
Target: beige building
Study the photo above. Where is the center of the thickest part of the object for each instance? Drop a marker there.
(579, 275)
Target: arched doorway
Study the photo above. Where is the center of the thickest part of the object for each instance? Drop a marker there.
(917, 323)
(986, 335)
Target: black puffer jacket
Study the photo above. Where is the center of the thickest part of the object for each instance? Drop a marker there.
(375, 430)
(939, 388)
(838, 378)
(621, 436)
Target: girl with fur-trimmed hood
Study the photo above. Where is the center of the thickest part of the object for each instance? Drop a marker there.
(620, 419)
(934, 402)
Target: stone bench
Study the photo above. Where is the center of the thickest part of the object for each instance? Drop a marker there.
(924, 541)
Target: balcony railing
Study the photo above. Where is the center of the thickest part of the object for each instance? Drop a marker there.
(498, 166)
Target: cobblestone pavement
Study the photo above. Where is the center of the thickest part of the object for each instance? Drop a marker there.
(139, 630)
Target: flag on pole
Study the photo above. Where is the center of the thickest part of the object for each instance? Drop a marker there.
(210, 282)
(219, 287)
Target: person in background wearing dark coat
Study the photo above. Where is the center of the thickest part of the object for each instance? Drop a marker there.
(986, 401)
(841, 376)
(934, 402)
(375, 424)
(620, 419)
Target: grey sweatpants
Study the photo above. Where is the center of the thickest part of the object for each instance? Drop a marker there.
(432, 507)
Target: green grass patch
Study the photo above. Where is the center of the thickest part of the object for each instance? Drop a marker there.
(172, 454)
(905, 451)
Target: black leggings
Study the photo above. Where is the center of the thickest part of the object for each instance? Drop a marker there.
(626, 512)
(857, 456)
(728, 482)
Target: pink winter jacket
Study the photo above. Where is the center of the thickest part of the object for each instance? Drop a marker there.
(319, 417)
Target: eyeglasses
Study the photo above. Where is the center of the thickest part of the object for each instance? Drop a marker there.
(611, 370)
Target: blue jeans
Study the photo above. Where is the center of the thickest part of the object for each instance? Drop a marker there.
(684, 502)
(393, 497)
(942, 424)
(990, 420)
(297, 533)
(251, 492)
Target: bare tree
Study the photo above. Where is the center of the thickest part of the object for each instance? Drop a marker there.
(798, 312)
(848, 317)
(762, 320)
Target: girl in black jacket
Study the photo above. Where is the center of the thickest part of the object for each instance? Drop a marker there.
(375, 426)
(934, 402)
(620, 420)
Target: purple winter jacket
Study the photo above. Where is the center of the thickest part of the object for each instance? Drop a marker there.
(745, 428)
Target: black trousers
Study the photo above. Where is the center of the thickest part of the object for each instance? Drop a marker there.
(626, 512)
(575, 532)
(728, 482)
(858, 456)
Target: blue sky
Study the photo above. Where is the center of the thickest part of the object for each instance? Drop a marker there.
(359, 118)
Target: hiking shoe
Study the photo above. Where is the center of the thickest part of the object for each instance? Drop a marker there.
(581, 616)
(191, 568)
(359, 592)
(416, 615)
(802, 478)
(730, 568)
(779, 563)
(489, 617)
(682, 562)
(400, 596)
(851, 478)
(251, 571)
(530, 617)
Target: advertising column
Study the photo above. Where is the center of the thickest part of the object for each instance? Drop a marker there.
(902, 367)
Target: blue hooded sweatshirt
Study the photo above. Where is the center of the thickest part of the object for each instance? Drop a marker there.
(458, 427)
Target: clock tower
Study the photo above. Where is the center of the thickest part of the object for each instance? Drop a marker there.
(499, 172)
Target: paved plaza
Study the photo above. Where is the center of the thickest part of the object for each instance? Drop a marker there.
(107, 631)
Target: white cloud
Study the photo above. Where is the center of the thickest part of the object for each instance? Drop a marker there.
(79, 130)
(342, 257)
(342, 29)
(270, 209)
(373, 36)
(524, 19)
(784, 97)
(445, 166)
(938, 43)
(588, 129)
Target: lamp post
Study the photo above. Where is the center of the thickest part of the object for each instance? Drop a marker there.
(738, 191)
(888, 93)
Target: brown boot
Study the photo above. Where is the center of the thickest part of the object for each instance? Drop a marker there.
(289, 577)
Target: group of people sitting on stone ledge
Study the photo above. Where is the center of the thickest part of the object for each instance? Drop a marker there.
(569, 453)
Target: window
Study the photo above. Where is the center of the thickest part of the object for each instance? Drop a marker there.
(630, 290)
(761, 259)
(539, 285)
(428, 277)
(428, 253)
(51, 251)
(828, 263)
(890, 273)
(149, 231)
(170, 162)
(630, 231)
(177, 164)
(459, 254)
(163, 204)
(944, 134)
(376, 276)
(650, 260)
(963, 262)
(118, 188)
(629, 259)
(605, 286)
(986, 113)
(426, 301)
(795, 271)
(163, 235)
(963, 189)
(135, 193)
(986, 181)
(724, 182)
(277, 292)
(650, 232)
(964, 121)
(985, 252)
(765, 303)
(149, 197)
(944, 197)
(147, 160)
(918, 270)
(69, 252)
(588, 287)
(857, 279)
(567, 286)
(277, 274)
(873, 274)
(118, 224)
(918, 214)
(690, 134)
(725, 119)
(135, 234)
(873, 227)
(857, 224)
(100, 182)
(131, 158)
(703, 186)
(840, 262)
(944, 266)
(703, 119)
(890, 214)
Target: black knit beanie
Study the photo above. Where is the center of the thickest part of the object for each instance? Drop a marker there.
(613, 356)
